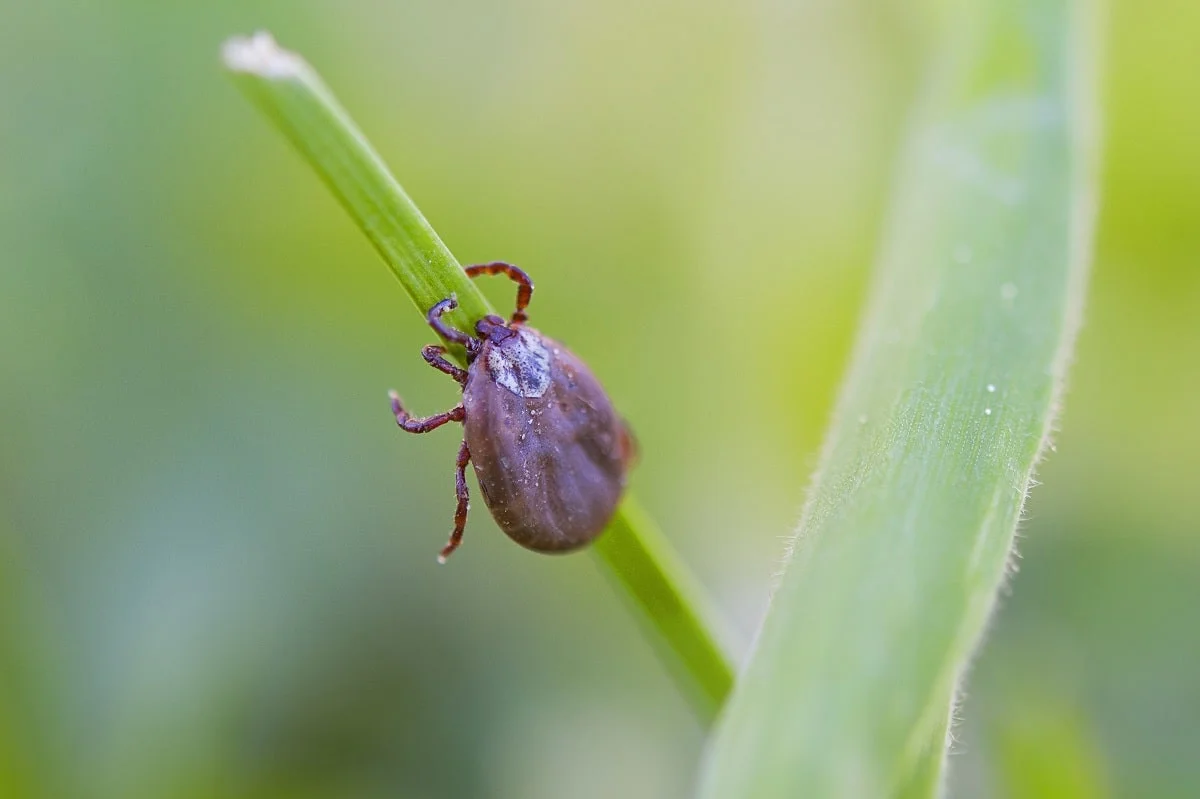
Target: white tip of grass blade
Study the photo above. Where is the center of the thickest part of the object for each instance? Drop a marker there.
(261, 55)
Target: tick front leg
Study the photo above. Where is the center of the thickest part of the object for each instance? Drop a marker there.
(460, 514)
(433, 356)
(515, 274)
(411, 425)
(434, 318)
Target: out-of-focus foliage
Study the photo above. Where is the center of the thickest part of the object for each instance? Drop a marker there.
(216, 551)
(957, 374)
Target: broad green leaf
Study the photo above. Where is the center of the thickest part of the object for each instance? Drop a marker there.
(949, 402)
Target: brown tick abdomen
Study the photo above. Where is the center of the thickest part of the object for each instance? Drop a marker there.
(550, 452)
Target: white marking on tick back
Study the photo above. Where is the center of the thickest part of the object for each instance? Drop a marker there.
(522, 366)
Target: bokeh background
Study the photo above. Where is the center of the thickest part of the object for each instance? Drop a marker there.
(217, 569)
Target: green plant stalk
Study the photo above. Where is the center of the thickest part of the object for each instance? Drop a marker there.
(670, 603)
(290, 92)
(948, 404)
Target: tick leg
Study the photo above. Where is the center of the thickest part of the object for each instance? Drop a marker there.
(434, 318)
(411, 425)
(460, 514)
(433, 356)
(514, 273)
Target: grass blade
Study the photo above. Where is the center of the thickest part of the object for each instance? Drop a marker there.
(289, 91)
(947, 406)
(927, 775)
(639, 558)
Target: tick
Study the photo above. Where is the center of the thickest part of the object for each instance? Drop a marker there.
(549, 450)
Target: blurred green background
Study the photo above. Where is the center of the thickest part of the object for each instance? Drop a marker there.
(217, 570)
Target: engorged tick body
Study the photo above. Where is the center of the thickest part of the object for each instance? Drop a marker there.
(550, 452)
